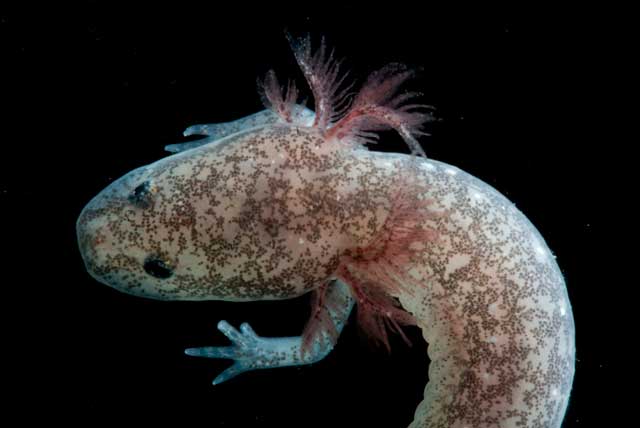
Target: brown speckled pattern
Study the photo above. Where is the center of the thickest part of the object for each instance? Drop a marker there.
(263, 215)
(267, 215)
(494, 311)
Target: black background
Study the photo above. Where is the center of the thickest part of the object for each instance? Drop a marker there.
(95, 89)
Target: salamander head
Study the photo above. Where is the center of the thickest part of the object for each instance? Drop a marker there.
(120, 239)
(264, 213)
(238, 219)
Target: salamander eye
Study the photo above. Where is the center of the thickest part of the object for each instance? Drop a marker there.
(141, 195)
(157, 268)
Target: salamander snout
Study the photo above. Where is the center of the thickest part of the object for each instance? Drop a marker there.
(116, 254)
(90, 239)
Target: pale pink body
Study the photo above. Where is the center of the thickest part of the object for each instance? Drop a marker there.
(286, 202)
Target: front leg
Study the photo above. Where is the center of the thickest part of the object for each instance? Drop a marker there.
(216, 131)
(252, 352)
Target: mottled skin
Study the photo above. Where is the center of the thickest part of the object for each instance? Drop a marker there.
(271, 209)
(260, 215)
(495, 313)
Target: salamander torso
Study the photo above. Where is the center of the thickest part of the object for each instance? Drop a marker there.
(288, 201)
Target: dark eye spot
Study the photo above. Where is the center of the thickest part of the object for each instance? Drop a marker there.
(157, 268)
(141, 195)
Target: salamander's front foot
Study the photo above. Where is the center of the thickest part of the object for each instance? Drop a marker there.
(211, 133)
(250, 351)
